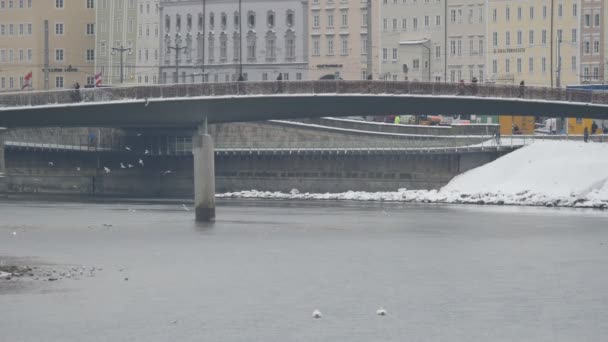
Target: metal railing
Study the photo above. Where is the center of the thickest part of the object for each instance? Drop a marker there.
(40, 98)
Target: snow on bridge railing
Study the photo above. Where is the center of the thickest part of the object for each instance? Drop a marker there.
(104, 94)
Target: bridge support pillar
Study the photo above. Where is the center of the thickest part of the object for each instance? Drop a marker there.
(204, 175)
(3, 181)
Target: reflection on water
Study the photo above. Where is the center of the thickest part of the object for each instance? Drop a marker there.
(442, 272)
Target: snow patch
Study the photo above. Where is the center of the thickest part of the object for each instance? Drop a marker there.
(545, 173)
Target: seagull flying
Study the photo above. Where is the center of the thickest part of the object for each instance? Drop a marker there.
(166, 172)
(122, 166)
(139, 134)
(316, 314)
(127, 148)
(107, 170)
(141, 162)
(51, 164)
(147, 102)
(381, 312)
(185, 208)
(146, 152)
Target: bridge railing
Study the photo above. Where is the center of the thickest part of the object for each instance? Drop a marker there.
(104, 94)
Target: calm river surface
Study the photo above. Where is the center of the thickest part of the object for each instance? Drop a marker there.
(443, 273)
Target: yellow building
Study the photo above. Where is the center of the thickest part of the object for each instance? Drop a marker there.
(69, 55)
(526, 38)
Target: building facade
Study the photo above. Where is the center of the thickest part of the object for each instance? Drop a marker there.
(339, 39)
(116, 43)
(51, 39)
(148, 42)
(536, 41)
(466, 40)
(592, 41)
(201, 40)
(413, 37)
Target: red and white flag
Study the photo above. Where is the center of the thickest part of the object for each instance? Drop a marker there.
(27, 81)
(98, 79)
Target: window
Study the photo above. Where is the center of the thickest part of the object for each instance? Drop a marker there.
(531, 37)
(573, 62)
(453, 15)
(290, 18)
(344, 46)
(597, 19)
(251, 19)
(531, 64)
(574, 36)
(384, 54)
(59, 54)
(587, 20)
(494, 39)
(559, 35)
(543, 62)
(481, 52)
(58, 4)
(90, 3)
(507, 14)
(404, 24)
(59, 82)
(416, 63)
(519, 65)
(330, 46)
(59, 28)
(560, 11)
(271, 47)
(395, 25)
(507, 38)
(90, 29)
(519, 13)
(395, 54)
(596, 46)
(415, 24)
(251, 46)
(437, 51)
(587, 47)
(290, 46)
(494, 66)
(426, 21)
(507, 65)
(531, 12)
(543, 37)
(459, 47)
(574, 10)
(316, 47)
(344, 19)
(223, 47)
(437, 20)
(519, 38)
(494, 15)
(330, 20)
(316, 23)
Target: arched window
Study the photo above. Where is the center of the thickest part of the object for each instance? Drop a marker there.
(290, 46)
(223, 47)
(224, 20)
(167, 23)
(236, 39)
(201, 21)
(270, 19)
(189, 22)
(237, 20)
(178, 22)
(290, 18)
(271, 46)
(251, 46)
(211, 20)
(251, 19)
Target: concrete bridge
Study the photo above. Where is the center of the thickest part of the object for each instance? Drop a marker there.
(197, 105)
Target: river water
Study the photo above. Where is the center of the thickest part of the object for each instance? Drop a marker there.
(443, 273)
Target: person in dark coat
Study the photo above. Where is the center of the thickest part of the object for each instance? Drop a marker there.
(522, 87)
(586, 135)
(76, 94)
(280, 83)
(474, 85)
(594, 128)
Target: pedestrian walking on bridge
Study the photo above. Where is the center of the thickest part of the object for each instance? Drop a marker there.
(522, 87)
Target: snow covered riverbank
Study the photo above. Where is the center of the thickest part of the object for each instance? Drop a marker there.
(546, 173)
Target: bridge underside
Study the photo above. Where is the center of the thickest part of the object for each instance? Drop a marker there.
(190, 112)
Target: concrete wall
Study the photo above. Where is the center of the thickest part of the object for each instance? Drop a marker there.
(407, 129)
(29, 172)
(291, 134)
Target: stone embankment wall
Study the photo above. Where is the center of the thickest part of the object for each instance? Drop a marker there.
(82, 173)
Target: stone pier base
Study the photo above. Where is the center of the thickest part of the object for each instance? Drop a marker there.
(204, 177)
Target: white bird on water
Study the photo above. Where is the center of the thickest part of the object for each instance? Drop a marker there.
(51, 164)
(77, 168)
(107, 170)
(127, 148)
(122, 166)
(166, 172)
(381, 312)
(146, 152)
(139, 134)
(141, 162)
(316, 314)
(130, 166)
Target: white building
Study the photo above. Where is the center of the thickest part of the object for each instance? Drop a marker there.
(413, 40)
(466, 41)
(148, 41)
(201, 40)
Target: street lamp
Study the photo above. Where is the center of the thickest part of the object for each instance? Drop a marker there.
(121, 50)
(177, 49)
(241, 78)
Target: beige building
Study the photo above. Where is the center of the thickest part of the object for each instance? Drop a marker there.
(117, 40)
(413, 40)
(58, 58)
(339, 39)
(592, 41)
(525, 39)
(466, 40)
